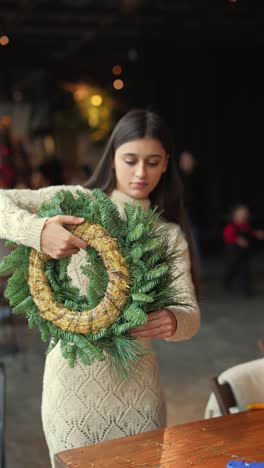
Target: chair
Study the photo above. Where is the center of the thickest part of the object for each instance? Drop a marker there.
(236, 388)
(224, 395)
(2, 414)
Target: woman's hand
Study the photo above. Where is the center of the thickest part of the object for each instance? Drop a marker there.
(161, 324)
(56, 241)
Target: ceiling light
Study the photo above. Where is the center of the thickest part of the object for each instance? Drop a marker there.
(96, 100)
(117, 70)
(118, 84)
(4, 40)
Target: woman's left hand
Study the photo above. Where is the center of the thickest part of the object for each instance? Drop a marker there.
(161, 324)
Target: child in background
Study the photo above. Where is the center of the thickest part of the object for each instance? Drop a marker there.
(238, 237)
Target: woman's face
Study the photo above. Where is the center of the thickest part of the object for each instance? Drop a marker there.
(139, 165)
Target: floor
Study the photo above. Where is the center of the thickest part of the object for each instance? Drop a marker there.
(230, 328)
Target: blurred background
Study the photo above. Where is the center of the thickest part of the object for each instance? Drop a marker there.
(68, 71)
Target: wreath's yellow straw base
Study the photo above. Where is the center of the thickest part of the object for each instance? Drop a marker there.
(103, 315)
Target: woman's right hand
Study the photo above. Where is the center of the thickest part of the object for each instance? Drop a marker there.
(56, 241)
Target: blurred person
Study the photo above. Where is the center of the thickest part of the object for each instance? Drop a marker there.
(20, 184)
(50, 172)
(238, 236)
(7, 172)
(77, 174)
(192, 197)
(22, 164)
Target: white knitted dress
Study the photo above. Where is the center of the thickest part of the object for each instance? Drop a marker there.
(84, 405)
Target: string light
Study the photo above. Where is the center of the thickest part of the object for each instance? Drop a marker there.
(80, 93)
(96, 106)
(4, 40)
(5, 121)
(96, 100)
(118, 84)
(117, 70)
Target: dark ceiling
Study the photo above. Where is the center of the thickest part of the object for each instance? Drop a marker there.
(71, 32)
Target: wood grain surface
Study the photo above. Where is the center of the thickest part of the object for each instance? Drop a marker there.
(208, 443)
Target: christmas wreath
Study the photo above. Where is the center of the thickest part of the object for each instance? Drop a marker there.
(129, 269)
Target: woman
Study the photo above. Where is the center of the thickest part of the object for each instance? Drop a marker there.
(84, 404)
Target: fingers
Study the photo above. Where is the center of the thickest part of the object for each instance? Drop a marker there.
(151, 325)
(158, 332)
(155, 319)
(57, 241)
(161, 324)
(65, 253)
(72, 240)
(63, 219)
(69, 252)
(77, 243)
(158, 314)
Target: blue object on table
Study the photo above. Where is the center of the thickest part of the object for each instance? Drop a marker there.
(242, 464)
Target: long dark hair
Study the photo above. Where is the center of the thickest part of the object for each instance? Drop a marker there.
(168, 194)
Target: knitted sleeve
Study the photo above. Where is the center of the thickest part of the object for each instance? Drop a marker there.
(18, 219)
(188, 316)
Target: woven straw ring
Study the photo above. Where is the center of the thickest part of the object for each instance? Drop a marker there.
(117, 292)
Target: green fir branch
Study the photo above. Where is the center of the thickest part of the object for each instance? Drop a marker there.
(145, 247)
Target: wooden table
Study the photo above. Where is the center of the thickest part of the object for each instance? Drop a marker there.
(209, 443)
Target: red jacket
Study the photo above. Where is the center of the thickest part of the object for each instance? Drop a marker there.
(232, 231)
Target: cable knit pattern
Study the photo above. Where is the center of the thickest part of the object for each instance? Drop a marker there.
(84, 405)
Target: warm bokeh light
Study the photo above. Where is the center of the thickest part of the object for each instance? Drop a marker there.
(5, 121)
(118, 84)
(96, 106)
(80, 93)
(96, 100)
(117, 69)
(4, 40)
(49, 144)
